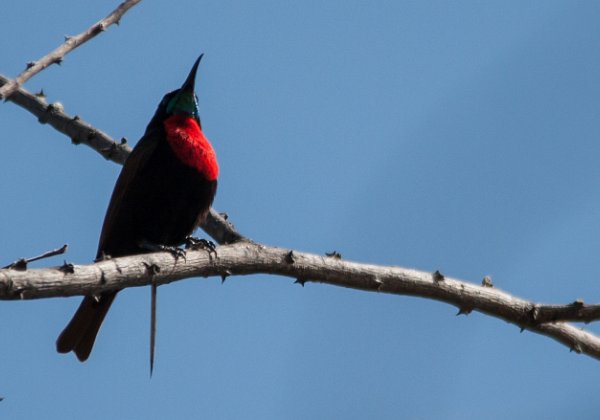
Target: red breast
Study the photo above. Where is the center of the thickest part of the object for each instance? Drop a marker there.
(191, 146)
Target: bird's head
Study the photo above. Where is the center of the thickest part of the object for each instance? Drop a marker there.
(182, 101)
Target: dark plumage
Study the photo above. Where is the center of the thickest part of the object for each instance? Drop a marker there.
(165, 189)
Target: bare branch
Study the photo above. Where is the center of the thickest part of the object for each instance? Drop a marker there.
(21, 263)
(220, 229)
(72, 42)
(74, 127)
(80, 131)
(576, 311)
(246, 257)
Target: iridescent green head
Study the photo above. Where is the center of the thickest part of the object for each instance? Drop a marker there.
(184, 101)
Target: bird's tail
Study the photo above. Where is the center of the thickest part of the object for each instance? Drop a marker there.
(79, 335)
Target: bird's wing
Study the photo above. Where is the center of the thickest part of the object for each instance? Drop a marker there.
(132, 169)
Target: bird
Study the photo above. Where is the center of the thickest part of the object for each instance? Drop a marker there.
(164, 191)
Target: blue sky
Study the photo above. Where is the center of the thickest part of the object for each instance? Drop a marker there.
(459, 136)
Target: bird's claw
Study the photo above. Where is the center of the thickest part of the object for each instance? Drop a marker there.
(174, 250)
(196, 243)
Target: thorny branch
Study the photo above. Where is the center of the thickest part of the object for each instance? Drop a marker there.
(70, 44)
(243, 258)
(74, 127)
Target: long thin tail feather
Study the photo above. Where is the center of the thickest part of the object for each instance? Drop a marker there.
(152, 326)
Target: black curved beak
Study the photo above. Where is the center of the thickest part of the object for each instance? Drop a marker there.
(188, 85)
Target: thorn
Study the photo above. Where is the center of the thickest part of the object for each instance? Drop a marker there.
(76, 118)
(290, 259)
(579, 303)
(576, 348)
(19, 265)
(118, 22)
(224, 276)
(67, 38)
(437, 276)
(334, 254)
(300, 282)
(58, 60)
(40, 94)
(464, 311)
(522, 329)
(123, 141)
(67, 268)
(224, 215)
(98, 28)
(487, 282)
(30, 64)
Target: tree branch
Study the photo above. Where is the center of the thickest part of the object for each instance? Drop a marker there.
(247, 257)
(70, 44)
(78, 130)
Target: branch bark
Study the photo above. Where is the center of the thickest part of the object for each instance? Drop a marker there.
(70, 44)
(245, 257)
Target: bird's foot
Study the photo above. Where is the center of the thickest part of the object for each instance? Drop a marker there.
(176, 251)
(197, 243)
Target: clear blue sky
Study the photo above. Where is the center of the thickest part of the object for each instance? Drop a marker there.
(459, 136)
